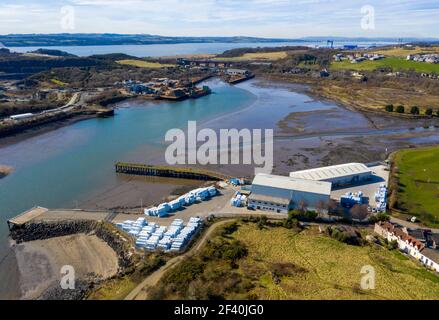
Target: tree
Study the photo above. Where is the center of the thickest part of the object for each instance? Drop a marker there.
(414, 110)
(400, 109)
(429, 112)
(302, 206)
(321, 207)
(359, 212)
(437, 113)
(389, 108)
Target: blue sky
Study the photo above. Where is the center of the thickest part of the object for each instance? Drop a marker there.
(262, 18)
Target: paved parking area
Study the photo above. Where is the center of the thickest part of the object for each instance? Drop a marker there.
(202, 210)
(380, 176)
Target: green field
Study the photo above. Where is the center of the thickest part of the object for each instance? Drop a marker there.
(144, 64)
(397, 64)
(279, 263)
(256, 56)
(418, 176)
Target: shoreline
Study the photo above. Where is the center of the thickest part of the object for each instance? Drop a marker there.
(314, 86)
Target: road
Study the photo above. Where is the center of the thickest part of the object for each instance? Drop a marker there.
(139, 293)
(411, 225)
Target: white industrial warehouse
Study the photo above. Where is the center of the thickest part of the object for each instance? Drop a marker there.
(281, 194)
(338, 175)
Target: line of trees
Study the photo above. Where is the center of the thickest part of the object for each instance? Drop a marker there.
(414, 110)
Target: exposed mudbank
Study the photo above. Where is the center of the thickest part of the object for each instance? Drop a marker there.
(4, 171)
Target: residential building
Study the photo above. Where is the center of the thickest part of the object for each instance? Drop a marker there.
(408, 244)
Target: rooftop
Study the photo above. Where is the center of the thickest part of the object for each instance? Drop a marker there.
(290, 183)
(431, 254)
(331, 172)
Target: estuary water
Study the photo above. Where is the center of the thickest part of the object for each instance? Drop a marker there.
(158, 50)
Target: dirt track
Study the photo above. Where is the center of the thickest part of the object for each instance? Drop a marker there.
(140, 292)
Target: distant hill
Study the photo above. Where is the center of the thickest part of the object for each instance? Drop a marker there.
(55, 53)
(85, 39)
(375, 39)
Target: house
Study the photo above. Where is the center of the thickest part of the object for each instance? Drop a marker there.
(433, 240)
(408, 244)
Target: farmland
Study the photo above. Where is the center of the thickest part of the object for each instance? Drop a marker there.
(258, 56)
(394, 63)
(246, 261)
(404, 52)
(144, 64)
(418, 183)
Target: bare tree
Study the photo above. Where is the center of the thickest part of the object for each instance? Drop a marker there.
(359, 212)
(302, 206)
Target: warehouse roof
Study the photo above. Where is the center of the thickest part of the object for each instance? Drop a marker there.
(294, 184)
(323, 173)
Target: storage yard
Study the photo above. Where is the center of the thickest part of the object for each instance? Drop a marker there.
(379, 176)
(152, 236)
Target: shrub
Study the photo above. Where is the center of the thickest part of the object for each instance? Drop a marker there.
(429, 112)
(437, 113)
(414, 110)
(345, 234)
(262, 222)
(310, 215)
(389, 108)
(306, 214)
(229, 229)
(379, 217)
(400, 109)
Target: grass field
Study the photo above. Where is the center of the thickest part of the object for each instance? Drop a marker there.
(397, 64)
(285, 264)
(418, 175)
(58, 82)
(403, 52)
(144, 64)
(259, 56)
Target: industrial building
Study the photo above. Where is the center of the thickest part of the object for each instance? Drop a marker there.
(238, 72)
(281, 194)
(338, 175)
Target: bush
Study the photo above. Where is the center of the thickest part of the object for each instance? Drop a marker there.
(389, 108)
(262, 222)
(379, 217)
(400, 109)
(429, 112)
(304, 215)
(437, 113)
(346, 235)
(414, 110)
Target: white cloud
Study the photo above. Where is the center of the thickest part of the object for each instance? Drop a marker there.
(269, 18)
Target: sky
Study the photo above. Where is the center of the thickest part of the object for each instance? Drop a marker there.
(259, 18)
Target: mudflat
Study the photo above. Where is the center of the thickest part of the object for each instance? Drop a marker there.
(40, 261)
